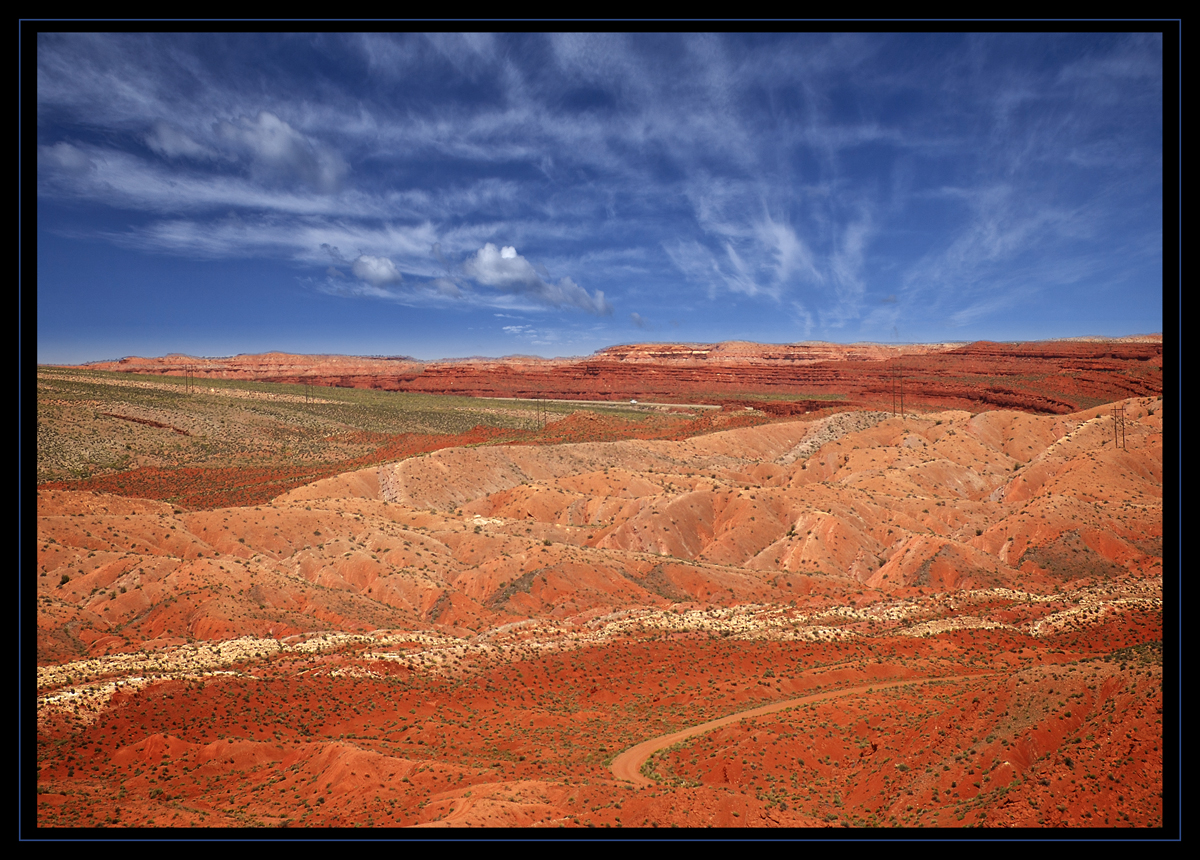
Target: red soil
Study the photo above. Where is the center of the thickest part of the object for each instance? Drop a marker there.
(1061, 739)
(578, 599)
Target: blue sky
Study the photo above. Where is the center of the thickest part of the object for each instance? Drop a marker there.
(471, 194)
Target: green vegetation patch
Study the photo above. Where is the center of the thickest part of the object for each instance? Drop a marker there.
(93, 423)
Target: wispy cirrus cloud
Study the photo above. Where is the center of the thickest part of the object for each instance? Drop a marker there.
(67, 160)
(170, 141)
(820, 184)
(126, 181)
(279, 154)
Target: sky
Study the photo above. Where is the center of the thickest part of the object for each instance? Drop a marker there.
(453, 195)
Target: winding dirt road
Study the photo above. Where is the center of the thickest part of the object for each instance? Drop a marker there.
(628, 765)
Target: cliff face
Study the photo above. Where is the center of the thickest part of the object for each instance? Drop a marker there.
(1043, 377)
(737, 352)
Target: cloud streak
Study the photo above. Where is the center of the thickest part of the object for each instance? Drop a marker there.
(773, 185)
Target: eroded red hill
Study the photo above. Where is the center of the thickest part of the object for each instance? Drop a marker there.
(468, 637)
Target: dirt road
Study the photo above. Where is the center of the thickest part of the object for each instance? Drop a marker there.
(628, 765)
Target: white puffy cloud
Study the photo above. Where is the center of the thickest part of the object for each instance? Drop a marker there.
(375, 270)
(507, 270)
(503, 268)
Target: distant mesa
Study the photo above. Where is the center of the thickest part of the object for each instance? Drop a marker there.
(1053, 377)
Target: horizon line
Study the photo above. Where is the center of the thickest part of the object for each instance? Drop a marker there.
(527, 356)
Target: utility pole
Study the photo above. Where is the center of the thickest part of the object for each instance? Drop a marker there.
(1118, 413)
(897, 389)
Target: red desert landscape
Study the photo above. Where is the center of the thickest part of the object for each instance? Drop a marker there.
(326, 591)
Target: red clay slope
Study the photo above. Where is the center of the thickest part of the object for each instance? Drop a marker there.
(470, 637)
(464, 539)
